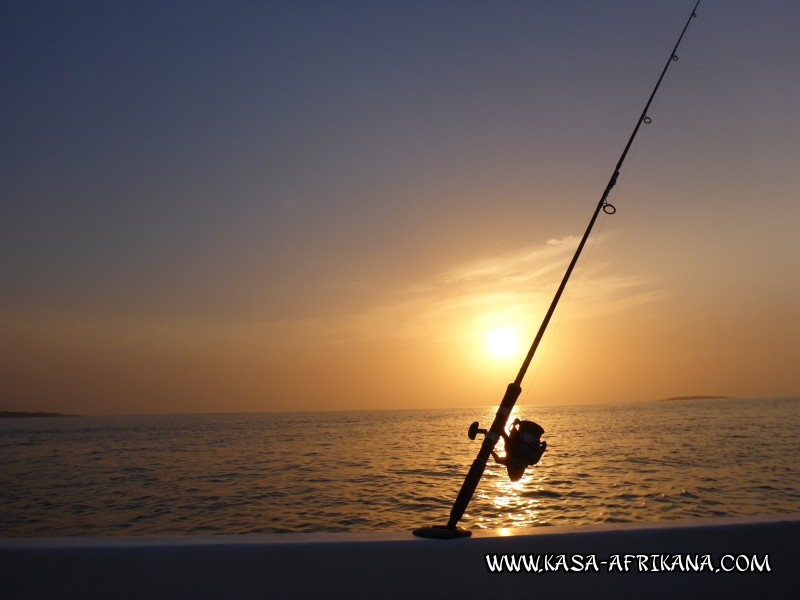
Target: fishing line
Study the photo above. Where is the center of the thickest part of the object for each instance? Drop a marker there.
(567, 301)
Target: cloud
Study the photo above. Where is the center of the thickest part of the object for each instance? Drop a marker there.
(515, 287)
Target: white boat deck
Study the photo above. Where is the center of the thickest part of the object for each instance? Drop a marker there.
(399, 565)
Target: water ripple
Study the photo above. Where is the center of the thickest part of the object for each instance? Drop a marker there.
(376, 471)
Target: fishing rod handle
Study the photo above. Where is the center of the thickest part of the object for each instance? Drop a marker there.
(479, 464)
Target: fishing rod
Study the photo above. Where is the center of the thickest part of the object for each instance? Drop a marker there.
(522, 445)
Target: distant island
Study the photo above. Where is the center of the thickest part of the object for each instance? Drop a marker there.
(697, 398)
(10, 414)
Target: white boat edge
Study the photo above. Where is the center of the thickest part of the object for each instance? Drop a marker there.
(399, 565)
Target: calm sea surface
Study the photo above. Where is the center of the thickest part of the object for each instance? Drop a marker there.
(394, 470)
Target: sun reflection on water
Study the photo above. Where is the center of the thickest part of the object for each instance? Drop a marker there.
(394, 470)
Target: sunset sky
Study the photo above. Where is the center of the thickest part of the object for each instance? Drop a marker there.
(279, 206)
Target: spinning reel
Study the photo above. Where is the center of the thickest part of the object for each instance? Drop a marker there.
(523, 445)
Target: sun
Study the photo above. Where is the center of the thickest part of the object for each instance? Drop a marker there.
(502, 342)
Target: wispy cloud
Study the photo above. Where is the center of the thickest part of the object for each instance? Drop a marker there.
(510, 288)
(455, 306)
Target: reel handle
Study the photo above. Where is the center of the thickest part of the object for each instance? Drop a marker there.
(474, 431)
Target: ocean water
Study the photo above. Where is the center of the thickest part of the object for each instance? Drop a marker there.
(393, 470)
